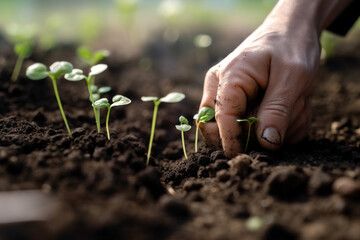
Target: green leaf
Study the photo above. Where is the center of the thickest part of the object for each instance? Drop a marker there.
(173, 97)
(23, 49)
(94, 88)
(183, 127)
(59, 68)
(149, 98)
(84, 53)
(37, 71)
(120, 100)
(253, 119)
(75, 75)
(104, 89)
(206, 114)
(99, 55)
(183, 120)
(96, 97)
(101, 103)
(97, 69)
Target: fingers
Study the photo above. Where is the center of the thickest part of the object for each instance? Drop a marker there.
(276, 112)
(210, 130)
(300, 127)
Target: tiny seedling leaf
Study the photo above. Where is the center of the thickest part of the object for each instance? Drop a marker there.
(101, 103)
(183, 127)
(97, 69)
(173, 97)
(149, 98)
(205, 114)
(75, 75)
(183, 120)
(120, 100)
(253, 119)
(23, 49)
(104, 89)
(59, 68)
(94, 88)
(96, 97)
(99, 55)
(36, 71)
(84, 53)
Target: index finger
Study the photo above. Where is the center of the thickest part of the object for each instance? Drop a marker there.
(210, 130)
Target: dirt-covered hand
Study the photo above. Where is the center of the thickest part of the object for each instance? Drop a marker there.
(274, 69)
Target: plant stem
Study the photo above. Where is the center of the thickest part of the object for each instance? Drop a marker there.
(17, 68)
(156, 106)
(196, 136)
(248, 137)
(92, 101)
(107, 123)
(183, 143)
(60, 105)
(92, 80)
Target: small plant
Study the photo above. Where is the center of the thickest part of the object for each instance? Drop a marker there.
(205, 114)
(38, 71)
(170, 98)
(97, 91)
(89, 57)
(118, 100)
(22, 37)
(183, 127)
(250, 121)
(77, 75)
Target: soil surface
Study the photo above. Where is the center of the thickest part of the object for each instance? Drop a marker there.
(102, 189)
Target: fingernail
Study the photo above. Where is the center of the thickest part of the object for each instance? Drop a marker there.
(272, 135)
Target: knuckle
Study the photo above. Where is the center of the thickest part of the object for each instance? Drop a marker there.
(279, 107)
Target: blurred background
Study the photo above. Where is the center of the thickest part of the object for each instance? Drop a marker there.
(145, 29)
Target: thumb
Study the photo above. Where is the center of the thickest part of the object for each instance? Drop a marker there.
(274, 113)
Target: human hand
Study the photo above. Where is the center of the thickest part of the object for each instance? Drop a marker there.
(275, 67)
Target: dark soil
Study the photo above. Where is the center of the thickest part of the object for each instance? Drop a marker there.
(103, 189)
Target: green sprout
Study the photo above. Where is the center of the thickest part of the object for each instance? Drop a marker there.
(205, 114)
(89, 57)
(38, 71)
(173, 97)
(97, 91)
(22, 37)
(118, 100)
(250, 121)
(183, 127)
(77, 75)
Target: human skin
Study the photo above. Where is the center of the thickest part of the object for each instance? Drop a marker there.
(270, 76)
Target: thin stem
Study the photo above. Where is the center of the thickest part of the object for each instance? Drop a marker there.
(17, 68)
(92, 80)
(107, 123)
(92, 101)
(196, 137)
(183, 143)
(156, 106)
(60, 105)
(248, 137)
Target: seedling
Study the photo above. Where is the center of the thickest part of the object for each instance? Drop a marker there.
(183, 127)
(77, 75)
(97, 91)
(91, 58)
(173, 97)
(23, 46)
(250, 121)
(205, 114)
(38, 71)
(118, 100)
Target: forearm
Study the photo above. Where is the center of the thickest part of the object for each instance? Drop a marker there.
(309, 14)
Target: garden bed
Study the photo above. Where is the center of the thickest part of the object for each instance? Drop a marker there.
(102, 189)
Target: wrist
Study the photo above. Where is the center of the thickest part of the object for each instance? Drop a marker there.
(311, 16)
